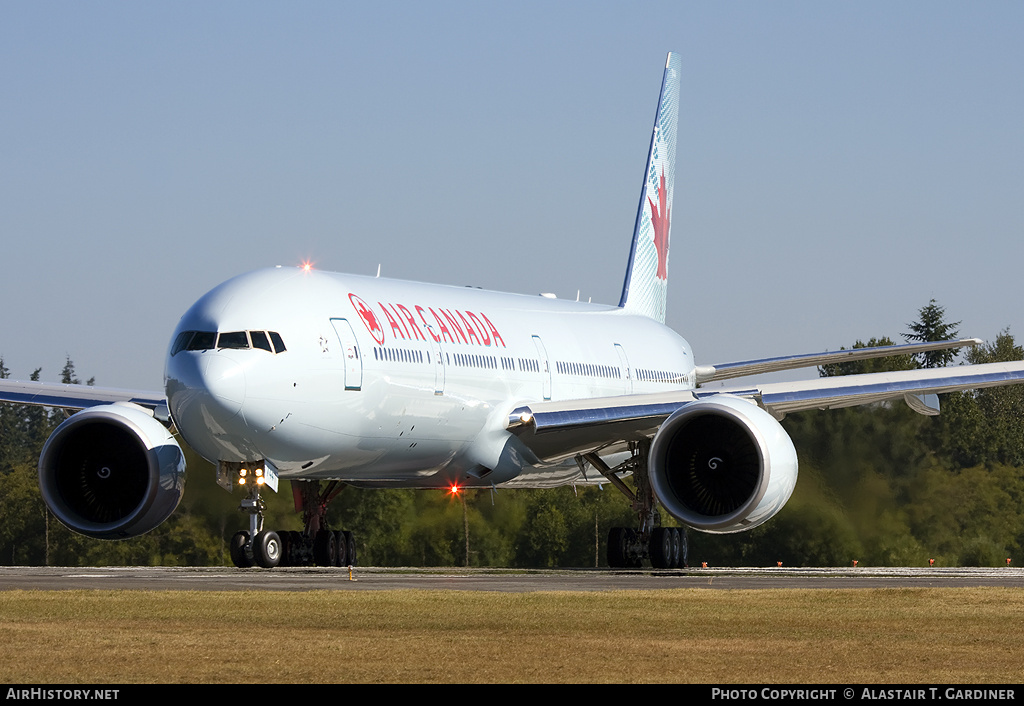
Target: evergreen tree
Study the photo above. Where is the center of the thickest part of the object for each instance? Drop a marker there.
(35, 424)
(67, 375)
(932, 326)
(10, 430)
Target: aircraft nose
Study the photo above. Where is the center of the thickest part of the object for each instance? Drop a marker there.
(205, 394)
(224, 380)
(207, 387)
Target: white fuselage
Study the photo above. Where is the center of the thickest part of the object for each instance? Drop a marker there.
(384, 382)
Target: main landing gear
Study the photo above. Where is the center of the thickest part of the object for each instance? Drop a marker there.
(316, 544)
(666, 547)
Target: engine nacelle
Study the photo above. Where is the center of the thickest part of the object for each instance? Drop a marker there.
(722, 465)
(112, 472)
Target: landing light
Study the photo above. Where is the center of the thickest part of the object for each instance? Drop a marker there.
(307, 266)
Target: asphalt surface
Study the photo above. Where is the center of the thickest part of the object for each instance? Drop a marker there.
(384, 579)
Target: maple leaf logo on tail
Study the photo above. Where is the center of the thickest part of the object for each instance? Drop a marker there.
(660, 219)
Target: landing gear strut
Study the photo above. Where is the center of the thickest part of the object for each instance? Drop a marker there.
(255, 546)
(316, 544)
(666, 547)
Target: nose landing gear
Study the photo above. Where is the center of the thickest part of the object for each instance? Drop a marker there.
(316, 544)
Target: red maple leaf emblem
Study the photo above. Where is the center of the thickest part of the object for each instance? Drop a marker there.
(368, 317)
(660, 218)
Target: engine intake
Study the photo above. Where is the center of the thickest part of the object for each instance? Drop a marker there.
(112, 472)
(722, 465)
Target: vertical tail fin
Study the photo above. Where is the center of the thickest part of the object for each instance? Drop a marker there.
(646, 287)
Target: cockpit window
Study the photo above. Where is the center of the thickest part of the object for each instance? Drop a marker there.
(260, 340)
(234, 339)
(269, 341)
(202, 341)
(181, 341)
(278, 342)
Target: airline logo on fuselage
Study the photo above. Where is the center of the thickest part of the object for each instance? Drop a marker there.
(418, 323)
(369, 320)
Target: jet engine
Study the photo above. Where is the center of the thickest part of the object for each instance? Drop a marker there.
(112, 472)
(722, 465)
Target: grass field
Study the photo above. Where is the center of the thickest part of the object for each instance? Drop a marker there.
(959, 636)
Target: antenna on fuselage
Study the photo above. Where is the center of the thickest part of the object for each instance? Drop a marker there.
(378, 269)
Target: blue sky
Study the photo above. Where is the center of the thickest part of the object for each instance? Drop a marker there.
(839, 164)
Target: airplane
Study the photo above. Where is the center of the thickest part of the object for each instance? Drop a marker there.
(326, 379)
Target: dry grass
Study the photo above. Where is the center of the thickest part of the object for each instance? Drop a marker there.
(687, 635)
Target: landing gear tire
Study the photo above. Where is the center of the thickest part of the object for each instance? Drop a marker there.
(314, 545)
(624, 550)
(239, 556)
(684, 548)
(267, 549)
(617, 547)
(325, 551)
(677, 548)
(297, 554)
(286, 549)
(668, 548)
(661, 548)
(340, 549)
(350, 547)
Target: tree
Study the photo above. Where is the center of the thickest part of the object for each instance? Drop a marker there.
(68, 377)
(11, 444)
(871, 365)
(984, 427)
(35, 423)
(932, 326)
(969, 517)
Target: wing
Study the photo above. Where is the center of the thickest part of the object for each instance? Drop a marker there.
(79, 396)
(724, 371)
(554, 430)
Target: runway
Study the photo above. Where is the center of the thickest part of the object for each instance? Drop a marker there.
(502, 580)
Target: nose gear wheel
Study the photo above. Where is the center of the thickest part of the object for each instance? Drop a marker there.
(316, 544)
